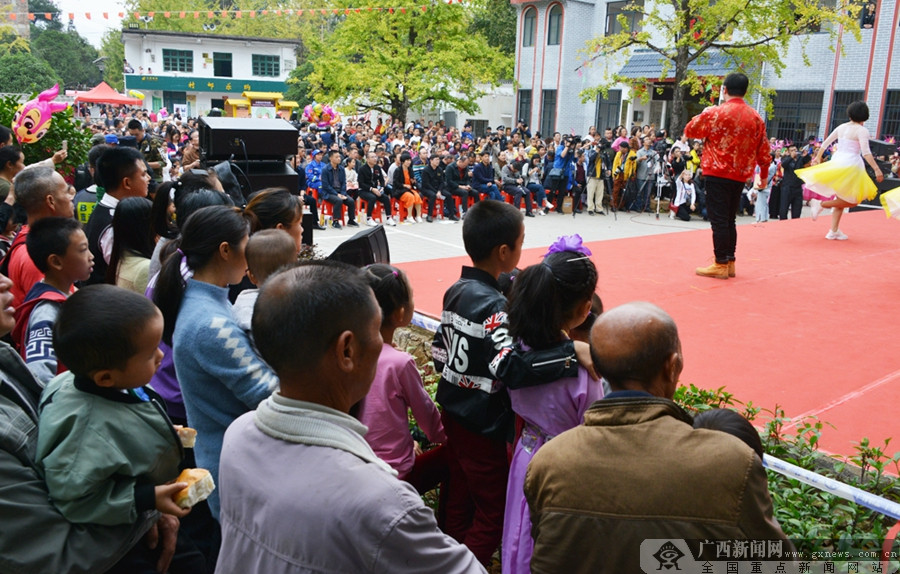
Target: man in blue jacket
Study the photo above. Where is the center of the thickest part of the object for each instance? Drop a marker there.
(334, 191)
(314, 171)
(483, 177)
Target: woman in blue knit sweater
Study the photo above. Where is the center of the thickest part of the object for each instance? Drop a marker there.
(220, 373)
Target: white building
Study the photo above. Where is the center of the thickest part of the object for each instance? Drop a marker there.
(495, 108)
(810, 100)
(196, 72)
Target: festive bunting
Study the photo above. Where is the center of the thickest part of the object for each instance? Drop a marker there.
(211, 14)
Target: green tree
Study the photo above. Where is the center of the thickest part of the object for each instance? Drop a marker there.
(40, 8)
(23, 73)
(71, 55)
(496, 21)
(686, 32)
(275, 23)
(113, 50)
(11, 42)
(298, 84)
(396, 61)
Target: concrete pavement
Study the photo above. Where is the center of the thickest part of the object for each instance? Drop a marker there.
(423, 241)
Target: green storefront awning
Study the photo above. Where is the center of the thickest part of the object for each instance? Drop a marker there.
(195, 84)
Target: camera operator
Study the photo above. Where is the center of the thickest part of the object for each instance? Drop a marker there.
(563, 164)
(647, 159)
(522, 130)
(661, 144)
(664, 170)
(599, 169)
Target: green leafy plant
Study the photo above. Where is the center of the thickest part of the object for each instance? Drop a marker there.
(814, 519)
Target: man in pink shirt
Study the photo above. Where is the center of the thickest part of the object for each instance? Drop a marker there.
(734, 143)
(41, 192)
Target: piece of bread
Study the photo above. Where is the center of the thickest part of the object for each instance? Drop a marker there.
(200, 486)
(187, 436)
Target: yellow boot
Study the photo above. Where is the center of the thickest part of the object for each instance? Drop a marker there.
(717, 270)
(731, 268)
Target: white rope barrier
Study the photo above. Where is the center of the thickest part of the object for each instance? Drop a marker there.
(835, 487)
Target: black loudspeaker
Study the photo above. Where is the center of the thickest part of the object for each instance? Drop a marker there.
(247, 139)
(366, 247)
(268, 174)
(882, 148)
(240, 179)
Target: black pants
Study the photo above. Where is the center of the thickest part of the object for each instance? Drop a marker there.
(791, 197)
(518, 192)
(723, 196)
(558, 191)
(775, 201)
(338, 207)
(429, 197)
(371, 199)
(312, 206)
(463, 195)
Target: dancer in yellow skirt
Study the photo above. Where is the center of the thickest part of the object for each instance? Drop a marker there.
(891, 202)
(843, 178)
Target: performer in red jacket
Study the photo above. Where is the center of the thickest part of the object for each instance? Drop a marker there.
(734, 142)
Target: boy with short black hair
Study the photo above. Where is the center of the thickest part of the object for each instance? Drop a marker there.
(122, 172)
(472, 350)
(86, 199)
(267, 251)
(105, 445)
(59, 249)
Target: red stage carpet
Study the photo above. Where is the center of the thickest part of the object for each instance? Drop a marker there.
(807, 324)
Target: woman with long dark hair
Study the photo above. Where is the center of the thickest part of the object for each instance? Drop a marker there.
(133, 243)
(276, 208)
(220, 374)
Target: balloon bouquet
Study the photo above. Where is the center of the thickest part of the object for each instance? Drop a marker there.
(32, 119)
(321, 115)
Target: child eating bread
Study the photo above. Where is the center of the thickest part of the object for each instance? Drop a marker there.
(107, 449)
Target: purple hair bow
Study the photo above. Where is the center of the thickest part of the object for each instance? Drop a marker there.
(568, 243)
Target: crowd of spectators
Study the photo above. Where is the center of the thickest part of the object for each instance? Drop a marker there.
(299, 401)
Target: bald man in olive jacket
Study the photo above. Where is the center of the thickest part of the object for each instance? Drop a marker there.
(636, 469)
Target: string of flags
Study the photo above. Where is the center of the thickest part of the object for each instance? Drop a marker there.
(211, 14)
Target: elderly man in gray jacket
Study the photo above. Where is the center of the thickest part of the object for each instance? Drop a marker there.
(301, 489)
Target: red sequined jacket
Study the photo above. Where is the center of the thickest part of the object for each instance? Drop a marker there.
(734, 141)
